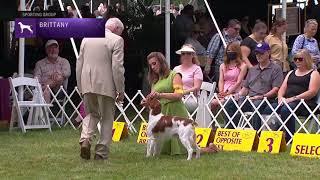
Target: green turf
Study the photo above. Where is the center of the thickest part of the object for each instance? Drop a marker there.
(44, 155)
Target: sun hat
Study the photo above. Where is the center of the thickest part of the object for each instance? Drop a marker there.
(185, 48)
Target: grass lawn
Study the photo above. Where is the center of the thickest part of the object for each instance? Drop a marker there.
(44, 155)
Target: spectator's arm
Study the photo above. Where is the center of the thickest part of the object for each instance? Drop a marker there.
(221, 79)
(272, 93)
(37, 70)
(244, 91)
(243, 72)
(283, 88)
(245, 54)
(66, 71)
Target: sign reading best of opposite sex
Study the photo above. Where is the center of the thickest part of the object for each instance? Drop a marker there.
(59, 27)
(235, 140)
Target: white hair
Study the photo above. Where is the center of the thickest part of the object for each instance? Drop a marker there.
(113, 23)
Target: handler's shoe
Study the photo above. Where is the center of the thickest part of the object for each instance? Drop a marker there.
(99, 157)
(85, 149)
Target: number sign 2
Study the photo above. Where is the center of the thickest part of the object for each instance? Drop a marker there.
(203, 135)
(272, 142)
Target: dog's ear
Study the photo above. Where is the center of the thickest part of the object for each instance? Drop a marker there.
(155, 106)
(143, 102)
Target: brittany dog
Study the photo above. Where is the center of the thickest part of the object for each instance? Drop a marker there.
(161, 127)
(22, 27)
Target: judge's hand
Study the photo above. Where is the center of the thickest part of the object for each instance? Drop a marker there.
(120, 97)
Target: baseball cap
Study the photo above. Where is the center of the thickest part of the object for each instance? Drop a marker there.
(262, 48)
(50, 42)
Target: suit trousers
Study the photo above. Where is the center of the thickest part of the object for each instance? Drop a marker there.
(99, 108)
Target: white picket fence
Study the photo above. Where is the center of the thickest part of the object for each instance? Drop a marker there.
(66, 110)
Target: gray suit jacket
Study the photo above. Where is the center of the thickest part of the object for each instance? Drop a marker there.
(100, 65)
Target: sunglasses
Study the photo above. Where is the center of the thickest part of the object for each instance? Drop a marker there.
(186, 53)
(296, 59)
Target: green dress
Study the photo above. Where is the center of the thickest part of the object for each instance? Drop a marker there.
(172, 108)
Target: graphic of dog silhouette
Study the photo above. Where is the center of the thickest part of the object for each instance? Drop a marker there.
(22, 27)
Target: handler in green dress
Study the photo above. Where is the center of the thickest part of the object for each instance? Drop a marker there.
(166, 85)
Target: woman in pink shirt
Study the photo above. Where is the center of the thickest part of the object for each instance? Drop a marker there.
(191, 72)
(232, 73)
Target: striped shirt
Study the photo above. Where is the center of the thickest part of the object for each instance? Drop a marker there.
(215, 48)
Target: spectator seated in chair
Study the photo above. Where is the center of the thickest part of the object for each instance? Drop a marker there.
(191, 74)
(53, 70)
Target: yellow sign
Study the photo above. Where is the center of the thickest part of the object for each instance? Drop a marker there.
(142, 137)
(233, 139)
(272, 142)
(203, 135)
(119, 131)
(306, 145)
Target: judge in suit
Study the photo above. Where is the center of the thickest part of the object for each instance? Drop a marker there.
(100, 79)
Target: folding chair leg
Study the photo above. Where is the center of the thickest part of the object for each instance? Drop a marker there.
(46, 116)
(13, 118)
(20, 120)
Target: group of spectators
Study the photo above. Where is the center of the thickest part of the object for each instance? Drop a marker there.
(259, 66)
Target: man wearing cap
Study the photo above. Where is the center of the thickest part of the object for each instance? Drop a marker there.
(100, 79)
(53, 70)
(262, 81)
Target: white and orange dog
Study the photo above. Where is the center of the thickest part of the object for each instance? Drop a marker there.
(161, 127)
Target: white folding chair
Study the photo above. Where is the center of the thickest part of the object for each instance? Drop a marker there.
(35, 120)
(203, 117)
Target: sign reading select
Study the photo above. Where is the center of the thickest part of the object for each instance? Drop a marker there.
(59, 27)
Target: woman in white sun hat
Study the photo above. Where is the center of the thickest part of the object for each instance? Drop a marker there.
(191, 72)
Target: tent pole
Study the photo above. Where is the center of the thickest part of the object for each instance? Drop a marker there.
(71, 39)
(167, 30)
(215, 24)
(21, 53)
(284, 15)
